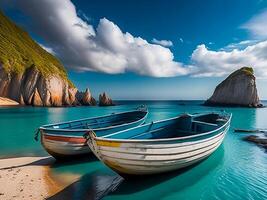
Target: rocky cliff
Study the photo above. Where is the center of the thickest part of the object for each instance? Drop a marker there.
(105, 100)
(238, 89)
(30, 75)
(32, 88)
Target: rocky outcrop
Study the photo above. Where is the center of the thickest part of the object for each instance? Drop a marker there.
(238, 89)
(261, 141)
(29, 74)
(32, 88)
(105, 100)
(85, 98)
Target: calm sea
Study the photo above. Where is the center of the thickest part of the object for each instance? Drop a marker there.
(237, 170)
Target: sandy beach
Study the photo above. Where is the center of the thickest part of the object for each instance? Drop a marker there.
(7, 102)
(26, 178)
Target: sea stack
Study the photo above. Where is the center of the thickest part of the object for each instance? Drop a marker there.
(104, 100)
(85, 98)
(238, 89)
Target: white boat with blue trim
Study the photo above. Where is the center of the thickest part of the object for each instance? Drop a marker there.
(161, 146)
(66, 139)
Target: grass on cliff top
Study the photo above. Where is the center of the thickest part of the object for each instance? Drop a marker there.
(247, 70)
(19, 52)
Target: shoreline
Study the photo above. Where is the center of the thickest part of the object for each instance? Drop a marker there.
(27, 178)
(8, 102)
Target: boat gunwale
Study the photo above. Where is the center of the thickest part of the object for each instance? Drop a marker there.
(43, 128)
(185, 144)
(161, 139)
(222, 135)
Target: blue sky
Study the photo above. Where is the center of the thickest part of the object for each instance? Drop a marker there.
(207, 39)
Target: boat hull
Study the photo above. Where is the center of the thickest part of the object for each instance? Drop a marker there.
(144, 158)
(62, 144)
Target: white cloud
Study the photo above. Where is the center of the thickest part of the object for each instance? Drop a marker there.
(257, 25)
(48, 49)
(218, 63)
(106, 49)
(164, 43)
(239, 45)
(252, 52)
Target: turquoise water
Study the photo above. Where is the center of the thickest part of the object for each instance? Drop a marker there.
(237, 170)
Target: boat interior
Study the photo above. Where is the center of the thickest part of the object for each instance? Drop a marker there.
(184, 125)
(100, 122)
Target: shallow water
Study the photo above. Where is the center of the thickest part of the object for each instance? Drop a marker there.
(237, 170)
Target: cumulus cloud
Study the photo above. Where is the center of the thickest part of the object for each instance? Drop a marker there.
(220, 63)
(257, 25)
(165, 43)
(252, 52)
(105, 48)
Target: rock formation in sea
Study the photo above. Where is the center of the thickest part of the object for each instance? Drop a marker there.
(85, 98)
(238, 89)
(30, 75)
(261, 141)
(105, 100)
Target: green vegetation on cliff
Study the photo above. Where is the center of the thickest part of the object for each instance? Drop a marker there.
(247, 70)
(19, 52)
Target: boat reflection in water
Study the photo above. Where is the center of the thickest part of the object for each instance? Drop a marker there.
(100, 183)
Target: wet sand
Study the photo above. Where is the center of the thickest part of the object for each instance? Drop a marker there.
(27, 178)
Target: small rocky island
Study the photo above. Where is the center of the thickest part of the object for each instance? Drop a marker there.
(105, 100)
(30, 75)
(238, 89)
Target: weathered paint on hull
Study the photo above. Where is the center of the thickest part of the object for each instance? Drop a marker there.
(59, 145)
(62, 147)
(150, 158)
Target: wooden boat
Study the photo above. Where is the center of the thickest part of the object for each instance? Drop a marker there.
(66, 138)
(163, 145)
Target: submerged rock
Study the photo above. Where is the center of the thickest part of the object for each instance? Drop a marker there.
(105, 100)
(238, 89)
(261, 141)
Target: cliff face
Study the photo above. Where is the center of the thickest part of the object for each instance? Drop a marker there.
(238, 89)
(29, 74)
(32, 88)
